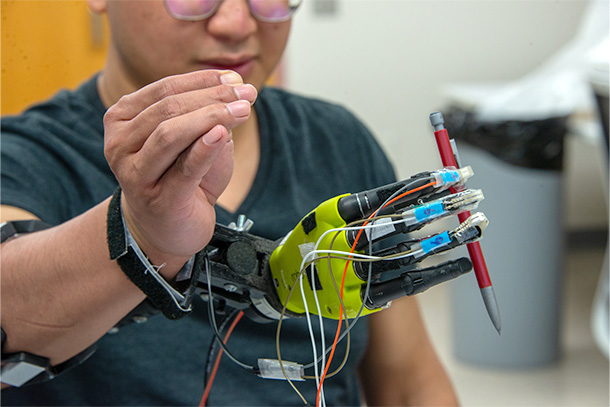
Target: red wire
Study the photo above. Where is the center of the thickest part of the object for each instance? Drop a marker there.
(208, 386)
(336, 340)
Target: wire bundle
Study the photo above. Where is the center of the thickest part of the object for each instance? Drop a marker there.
(328, 254)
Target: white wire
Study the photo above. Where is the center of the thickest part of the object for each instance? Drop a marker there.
(348, 256)
(310, 328)
(322, 335)
(372, 225)
(342, 254)
(315, 253)
(311, 332)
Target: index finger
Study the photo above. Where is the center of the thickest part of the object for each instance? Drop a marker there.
(129, 106)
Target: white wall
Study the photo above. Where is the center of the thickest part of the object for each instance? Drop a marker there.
(388, 60)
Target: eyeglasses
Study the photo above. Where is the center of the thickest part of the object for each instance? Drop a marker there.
(268, 11)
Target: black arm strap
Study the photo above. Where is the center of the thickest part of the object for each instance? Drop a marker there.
(173, 300)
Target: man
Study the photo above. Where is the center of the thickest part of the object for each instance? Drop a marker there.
(182, 140)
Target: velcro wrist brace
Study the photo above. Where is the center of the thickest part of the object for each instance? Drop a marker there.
(173, 300)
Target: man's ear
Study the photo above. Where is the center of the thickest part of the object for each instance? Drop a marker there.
(97, 6)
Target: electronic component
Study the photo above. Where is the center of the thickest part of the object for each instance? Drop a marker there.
(467, 232)
(418, 216)
(273, 369)
(363, 204)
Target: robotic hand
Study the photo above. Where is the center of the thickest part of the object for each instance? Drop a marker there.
(270, 280)
(326, 264)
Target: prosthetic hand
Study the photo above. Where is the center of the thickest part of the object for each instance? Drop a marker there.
(326, 264)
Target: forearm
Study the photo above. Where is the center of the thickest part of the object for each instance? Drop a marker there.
(400, 366)
(60, 290)
(392, 386)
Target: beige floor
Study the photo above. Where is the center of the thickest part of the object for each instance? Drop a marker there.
(581, 376)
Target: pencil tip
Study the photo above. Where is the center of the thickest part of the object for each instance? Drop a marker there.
(491, 303)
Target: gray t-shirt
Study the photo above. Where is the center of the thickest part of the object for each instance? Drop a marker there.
(53, 166)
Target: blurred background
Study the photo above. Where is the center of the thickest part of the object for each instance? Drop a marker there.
(393, 62)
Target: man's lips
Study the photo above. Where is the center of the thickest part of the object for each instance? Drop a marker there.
(242, 65)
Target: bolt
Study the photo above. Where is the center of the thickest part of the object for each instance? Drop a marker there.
(230, 287)
(241, 221)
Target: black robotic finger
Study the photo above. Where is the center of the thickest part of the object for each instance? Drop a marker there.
(414, 282)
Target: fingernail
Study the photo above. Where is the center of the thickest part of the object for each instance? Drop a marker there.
(230, 78)
(239, 108)
(245, 92)
(212, 136)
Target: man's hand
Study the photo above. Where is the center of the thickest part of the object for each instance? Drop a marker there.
(169, 145)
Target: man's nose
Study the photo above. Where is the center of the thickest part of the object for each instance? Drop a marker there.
(232, 21)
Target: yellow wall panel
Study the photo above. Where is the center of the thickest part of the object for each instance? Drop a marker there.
(47, 45)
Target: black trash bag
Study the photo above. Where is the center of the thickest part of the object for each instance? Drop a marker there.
(532, 144)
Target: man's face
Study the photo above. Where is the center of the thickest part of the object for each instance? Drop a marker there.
(148, 44)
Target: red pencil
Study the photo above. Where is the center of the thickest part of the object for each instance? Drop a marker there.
(448, 155)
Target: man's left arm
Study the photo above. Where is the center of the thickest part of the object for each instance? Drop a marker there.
(400, 366)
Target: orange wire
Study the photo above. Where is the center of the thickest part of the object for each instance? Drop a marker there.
(208, 386)
(336, 340)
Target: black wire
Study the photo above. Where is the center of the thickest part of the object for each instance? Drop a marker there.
(212, 318)
(213, 349)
